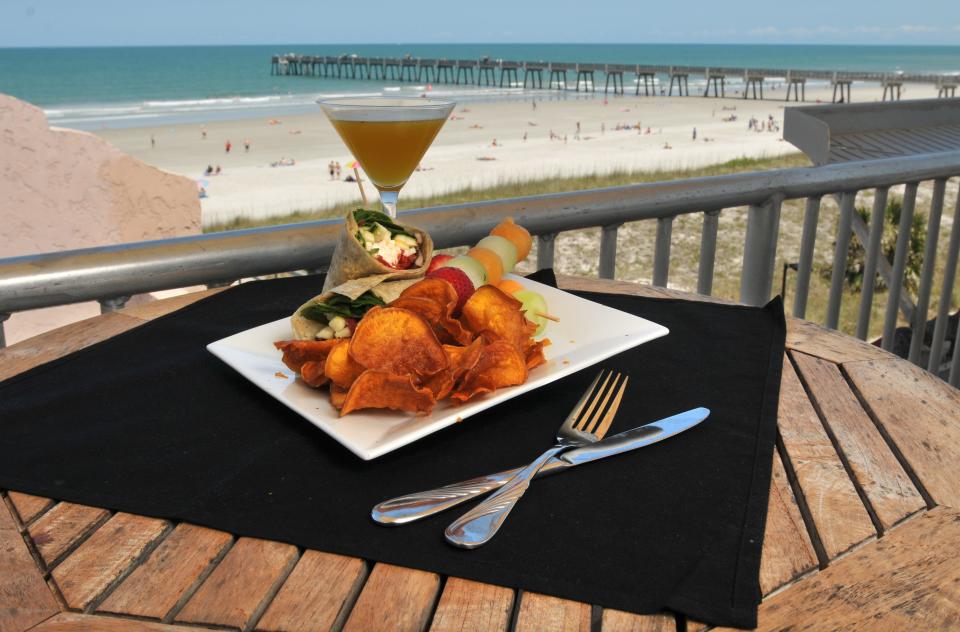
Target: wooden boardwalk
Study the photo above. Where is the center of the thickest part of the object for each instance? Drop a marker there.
(501, 72)
(863, 522)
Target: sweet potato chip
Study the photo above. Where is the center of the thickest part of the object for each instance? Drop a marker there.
(490, 309)
(340, 368)
(440, 292)
(397, 341)
(431, 311)
(535, 355)
(437, 290)
(462, 359)
(312, 374)
(337, 396)
(500, 364)
(296, 352)
(379, 389)
(440, 384)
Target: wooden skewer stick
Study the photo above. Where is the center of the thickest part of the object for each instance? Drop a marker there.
(547, 316)
(363, 194)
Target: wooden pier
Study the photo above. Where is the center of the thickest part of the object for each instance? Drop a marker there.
(506, 73)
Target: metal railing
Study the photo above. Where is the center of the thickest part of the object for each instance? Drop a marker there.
(112, 274)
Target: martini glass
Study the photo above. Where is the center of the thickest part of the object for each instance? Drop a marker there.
(388, 136)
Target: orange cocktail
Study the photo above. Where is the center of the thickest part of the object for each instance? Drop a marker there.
(387, 136)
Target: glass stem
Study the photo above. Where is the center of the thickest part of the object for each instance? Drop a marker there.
(389, 201)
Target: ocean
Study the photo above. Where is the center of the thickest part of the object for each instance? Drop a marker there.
(92, 88)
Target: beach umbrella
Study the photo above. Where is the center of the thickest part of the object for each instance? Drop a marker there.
(203, 183)
(353, 165)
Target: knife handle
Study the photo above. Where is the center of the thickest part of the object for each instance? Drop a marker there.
(412, 507)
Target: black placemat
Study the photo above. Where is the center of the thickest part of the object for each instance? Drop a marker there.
(150, 422)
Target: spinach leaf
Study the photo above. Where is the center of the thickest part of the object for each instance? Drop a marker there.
(339, 305)
(365, 217)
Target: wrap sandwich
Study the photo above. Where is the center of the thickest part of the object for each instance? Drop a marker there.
(373, 248)
(334, 314)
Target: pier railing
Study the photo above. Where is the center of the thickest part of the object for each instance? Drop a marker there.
(112, 274)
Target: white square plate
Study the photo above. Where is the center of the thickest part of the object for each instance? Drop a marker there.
(586, 334)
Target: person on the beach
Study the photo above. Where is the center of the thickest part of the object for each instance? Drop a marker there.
(246, 146)
(336, 167)
(216, 171)
(228, 146)
(153, 142)
(331, 169)
(209, 170)
(524, 137)
(603, 129)
(694, 133)
(534, 105)
(203, 133)
(494, 143)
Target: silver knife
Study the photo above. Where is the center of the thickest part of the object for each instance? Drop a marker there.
(412, 507)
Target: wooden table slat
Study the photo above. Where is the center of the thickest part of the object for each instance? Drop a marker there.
(924, 421)
(236, 589)
(829, 344)
(837, 512)
(543, 612)
(155, 587)
(25, 599)
(470, 605)
(104, 557)
(316, 594)
(394, 598)
(28, 506)
(887, 486)
(787, 550)
(62, 526)
(907, 580)
(75, 622)
(38, 350)
(618, 621)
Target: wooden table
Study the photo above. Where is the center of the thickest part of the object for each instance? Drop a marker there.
(862, 530)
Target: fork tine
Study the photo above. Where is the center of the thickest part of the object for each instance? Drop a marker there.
(595, 394)
(601, 432)
(575, 413)
(590, 424)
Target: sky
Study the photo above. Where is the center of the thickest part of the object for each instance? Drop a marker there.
(29, 23)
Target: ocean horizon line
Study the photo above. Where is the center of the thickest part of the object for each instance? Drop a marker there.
(462, 43)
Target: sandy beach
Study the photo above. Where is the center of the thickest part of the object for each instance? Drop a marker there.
(464, 154)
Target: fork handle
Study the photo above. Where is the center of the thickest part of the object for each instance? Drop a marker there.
(404, 509)
(480, 524)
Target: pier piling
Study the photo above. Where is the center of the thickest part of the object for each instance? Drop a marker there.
(752, 81)
(558, 77)
(718, 81)
(535, 73)
(508, 73)
(649, 84)
(682, 81)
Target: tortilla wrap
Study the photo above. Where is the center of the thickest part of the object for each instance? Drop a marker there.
(306, 329)
(352, 263)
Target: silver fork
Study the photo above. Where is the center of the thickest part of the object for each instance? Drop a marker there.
(587, 423)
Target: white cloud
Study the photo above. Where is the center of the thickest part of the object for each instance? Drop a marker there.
(920, 28)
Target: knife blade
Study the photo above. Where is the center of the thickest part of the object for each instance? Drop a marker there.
(405, 509)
